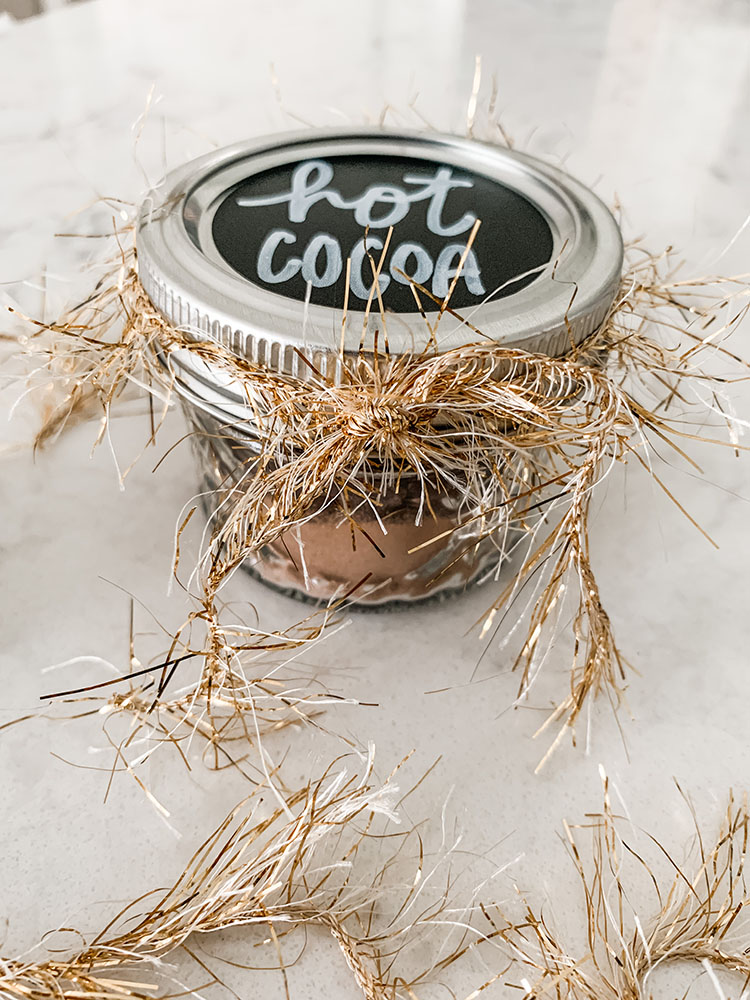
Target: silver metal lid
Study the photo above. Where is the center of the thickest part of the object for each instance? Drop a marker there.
(252, 245)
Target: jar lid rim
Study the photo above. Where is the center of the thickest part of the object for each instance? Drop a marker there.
(198, 292)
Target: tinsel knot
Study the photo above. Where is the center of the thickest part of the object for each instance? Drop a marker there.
(375, 418)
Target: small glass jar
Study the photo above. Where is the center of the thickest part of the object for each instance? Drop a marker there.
(374, 560)
(269, 249)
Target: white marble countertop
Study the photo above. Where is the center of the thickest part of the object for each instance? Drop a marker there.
(647, 100)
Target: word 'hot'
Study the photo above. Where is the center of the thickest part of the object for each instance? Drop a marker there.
(379, 206)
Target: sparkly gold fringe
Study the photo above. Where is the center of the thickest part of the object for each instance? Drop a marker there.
(699, 916)
(543, 435)
(281, 868)
(293, 866)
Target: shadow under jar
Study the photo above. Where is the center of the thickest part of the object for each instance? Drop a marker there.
(266, 247)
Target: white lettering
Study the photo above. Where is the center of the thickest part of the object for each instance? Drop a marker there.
(436, 189)
(409, 262)
(265, 258)
(310, 182)
(332, 251)
(361, 251)
(398, 199)
(400, 259)
(445, 272)
(304, 193)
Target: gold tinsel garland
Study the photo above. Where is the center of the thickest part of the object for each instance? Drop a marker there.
(292, 867)
(528, 445)
(699, 914)
(280, 867)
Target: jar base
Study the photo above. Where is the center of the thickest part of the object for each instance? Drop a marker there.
(368, 601)
(385, 606)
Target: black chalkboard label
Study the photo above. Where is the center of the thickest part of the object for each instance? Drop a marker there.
(298, 224)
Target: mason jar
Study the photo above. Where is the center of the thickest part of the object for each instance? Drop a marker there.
(271, 248)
